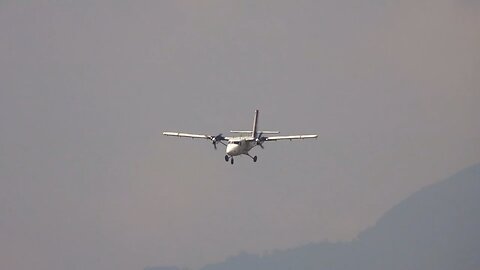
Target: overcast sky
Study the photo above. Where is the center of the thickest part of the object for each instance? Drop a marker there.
(87, 181)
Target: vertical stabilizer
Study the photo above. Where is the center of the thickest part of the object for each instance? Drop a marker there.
(254, 129)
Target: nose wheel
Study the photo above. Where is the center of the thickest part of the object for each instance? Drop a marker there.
(227, 158)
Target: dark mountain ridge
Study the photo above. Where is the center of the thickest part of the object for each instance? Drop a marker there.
(437, 228)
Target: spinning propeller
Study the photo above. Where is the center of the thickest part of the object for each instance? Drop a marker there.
(216, 139)
(259, 140)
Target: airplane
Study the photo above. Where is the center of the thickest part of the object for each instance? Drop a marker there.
(241, 145)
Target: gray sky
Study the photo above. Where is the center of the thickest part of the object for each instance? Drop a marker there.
(86, 88)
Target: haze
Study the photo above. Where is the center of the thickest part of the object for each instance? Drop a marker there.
(87, 181)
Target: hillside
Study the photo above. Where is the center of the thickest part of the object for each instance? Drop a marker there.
(435, 228)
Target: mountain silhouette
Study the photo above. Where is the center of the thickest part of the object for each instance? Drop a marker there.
(437, 228)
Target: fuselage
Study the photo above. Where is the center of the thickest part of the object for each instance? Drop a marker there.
(239, 146)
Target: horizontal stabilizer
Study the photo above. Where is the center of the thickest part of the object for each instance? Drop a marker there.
(249, 131)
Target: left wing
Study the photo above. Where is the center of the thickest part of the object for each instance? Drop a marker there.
(292, 137)
(188, 135)
(216, 138)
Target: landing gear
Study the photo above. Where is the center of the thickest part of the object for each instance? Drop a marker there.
(227, 158)
(254, 158)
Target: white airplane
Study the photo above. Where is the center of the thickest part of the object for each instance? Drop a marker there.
(241, 145)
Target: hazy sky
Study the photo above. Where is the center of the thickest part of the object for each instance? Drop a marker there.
(87, 181)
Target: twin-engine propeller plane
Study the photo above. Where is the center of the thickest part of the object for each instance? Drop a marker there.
(241, 145)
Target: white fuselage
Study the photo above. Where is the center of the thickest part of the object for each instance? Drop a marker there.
(239, 146)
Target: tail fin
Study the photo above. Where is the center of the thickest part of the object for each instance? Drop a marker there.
(254, 129)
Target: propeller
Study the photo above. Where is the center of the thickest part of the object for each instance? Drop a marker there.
(259, 140)
(216, 139)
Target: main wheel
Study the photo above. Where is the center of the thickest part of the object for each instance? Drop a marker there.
(231, 160)
(255, 159)
(226, 158)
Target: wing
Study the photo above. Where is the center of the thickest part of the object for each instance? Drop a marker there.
(291, 137)
(196, 136)
(188, 135)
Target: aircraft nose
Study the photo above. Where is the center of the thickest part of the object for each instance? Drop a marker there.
(230, 149)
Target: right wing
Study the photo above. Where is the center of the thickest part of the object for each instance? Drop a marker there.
(292, 137)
